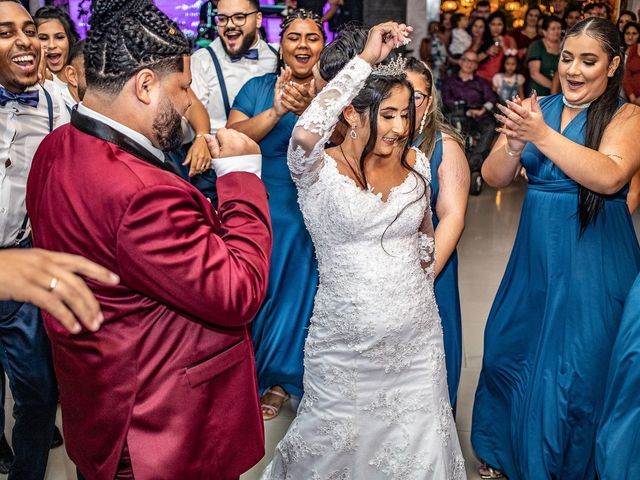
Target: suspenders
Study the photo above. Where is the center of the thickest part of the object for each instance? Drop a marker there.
(25, 223)
(223, 84)
(221, 81)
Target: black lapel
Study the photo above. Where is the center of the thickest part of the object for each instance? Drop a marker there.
(100, 130)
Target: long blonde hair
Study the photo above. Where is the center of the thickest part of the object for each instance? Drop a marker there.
(434, 121)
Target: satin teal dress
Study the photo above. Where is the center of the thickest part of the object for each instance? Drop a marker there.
(280, 328)
(447, 292)
(618, 440)
(552, 327)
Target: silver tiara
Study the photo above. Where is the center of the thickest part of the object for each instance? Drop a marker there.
(394, 68)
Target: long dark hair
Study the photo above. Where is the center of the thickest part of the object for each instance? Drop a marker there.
(601, 110)
(298, 14)
(44, 14)
(367, 102)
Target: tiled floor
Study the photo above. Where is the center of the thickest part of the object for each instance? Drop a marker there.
(492, 219)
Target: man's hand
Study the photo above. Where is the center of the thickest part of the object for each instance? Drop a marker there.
(231, 143)
(50, 281)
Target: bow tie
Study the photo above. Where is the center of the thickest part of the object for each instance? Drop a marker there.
(249, 54)
(24, 98)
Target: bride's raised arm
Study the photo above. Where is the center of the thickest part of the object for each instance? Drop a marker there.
(317, 123)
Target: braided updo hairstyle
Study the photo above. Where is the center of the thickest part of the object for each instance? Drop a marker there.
(298, 14)
(127, 36)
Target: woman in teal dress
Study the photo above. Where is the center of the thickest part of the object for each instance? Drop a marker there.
(551, 329)
(266, 110)
(618, 440)
(449, 170)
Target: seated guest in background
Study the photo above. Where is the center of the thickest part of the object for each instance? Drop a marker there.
(473, 94)
(266, 110)
(631, 82)
(74, 71)
(528, 33)
(572, 15)
(543, 56)
(219, 72)
(166, 387)
(28, 112)
(501, 43)
(57, 33)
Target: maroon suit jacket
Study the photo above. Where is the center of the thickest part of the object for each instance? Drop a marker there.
(171, 371)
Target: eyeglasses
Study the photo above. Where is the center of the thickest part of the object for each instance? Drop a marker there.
(419, 98)
(465, 59)
(238, 19)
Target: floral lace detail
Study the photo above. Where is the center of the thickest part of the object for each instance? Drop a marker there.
(344, 379)
(445, 420)
(344, 474)
(426, 249)
(437, 364)
(293, 448)
(395, 461)
(396, 408)
(341, 433)
(456, 470)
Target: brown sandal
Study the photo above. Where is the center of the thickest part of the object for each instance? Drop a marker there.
(486, 472)
(269, 412)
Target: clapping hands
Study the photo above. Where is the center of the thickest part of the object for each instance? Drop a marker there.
(522, 122)
(290, 96)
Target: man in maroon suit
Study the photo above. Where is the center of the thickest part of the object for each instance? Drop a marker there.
(166, 388)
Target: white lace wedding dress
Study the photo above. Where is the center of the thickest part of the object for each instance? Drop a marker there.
(375, 402)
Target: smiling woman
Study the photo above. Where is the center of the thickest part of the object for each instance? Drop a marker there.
(551, 329)
(57, 34)
(266, 110)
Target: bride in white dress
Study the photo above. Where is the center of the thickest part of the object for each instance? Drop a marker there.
(375, 402)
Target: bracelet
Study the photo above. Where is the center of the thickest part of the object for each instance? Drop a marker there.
(510, 153)
(199, 135)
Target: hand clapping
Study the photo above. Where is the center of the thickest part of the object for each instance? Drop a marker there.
(290, 96)
(522, 122)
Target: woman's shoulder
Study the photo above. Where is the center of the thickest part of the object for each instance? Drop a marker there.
(627, 116)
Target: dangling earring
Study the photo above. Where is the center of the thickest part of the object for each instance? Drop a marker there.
(353, 133)
(423, 123)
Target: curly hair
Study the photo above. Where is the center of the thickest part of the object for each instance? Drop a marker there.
(127, 36)
(299, 14)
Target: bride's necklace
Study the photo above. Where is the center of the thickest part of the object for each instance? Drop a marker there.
(355, 174)
(581, 106)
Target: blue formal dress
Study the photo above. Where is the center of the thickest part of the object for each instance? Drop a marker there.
(447, 293)
(618, 440)
(551, 329)
(280, 327)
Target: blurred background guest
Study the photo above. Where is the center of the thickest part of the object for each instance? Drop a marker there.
(631, 83)
(501, 43)
(543, 56)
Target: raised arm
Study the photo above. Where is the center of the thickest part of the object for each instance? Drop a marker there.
(316, 124)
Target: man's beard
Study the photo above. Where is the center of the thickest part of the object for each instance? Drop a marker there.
(249, 40)
(167, 127)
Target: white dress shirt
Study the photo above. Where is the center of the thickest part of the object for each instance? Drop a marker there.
(205, 80)
(69, 101)
(22, 128)
(222, 166)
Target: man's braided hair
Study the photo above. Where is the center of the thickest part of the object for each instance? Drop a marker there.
(127, 36)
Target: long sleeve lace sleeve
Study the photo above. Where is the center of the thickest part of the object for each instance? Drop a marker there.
(316, 124)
